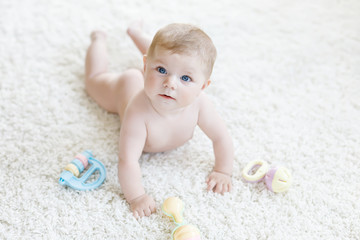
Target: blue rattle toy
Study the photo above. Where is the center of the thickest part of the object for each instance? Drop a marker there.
(70, 175)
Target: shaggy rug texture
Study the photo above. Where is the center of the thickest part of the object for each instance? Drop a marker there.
(286, 81)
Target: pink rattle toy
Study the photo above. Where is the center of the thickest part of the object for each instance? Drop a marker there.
(277, 179)
(173, 207)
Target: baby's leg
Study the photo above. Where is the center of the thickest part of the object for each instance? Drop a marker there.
(141, 40)
(111, 91)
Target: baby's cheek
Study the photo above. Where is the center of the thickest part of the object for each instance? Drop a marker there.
(189, 97)
(150, 83)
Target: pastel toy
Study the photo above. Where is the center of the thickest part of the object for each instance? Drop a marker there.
(278, 179)
(186, 232)
(259, 173)
(173, 207)
(72, 171)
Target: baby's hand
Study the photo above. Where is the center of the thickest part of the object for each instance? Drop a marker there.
(142, 206)
(219, 182)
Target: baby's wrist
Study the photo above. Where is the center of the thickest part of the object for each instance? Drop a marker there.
(223, 172)
(136, 198)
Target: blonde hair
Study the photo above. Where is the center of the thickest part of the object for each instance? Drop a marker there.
(185, 39)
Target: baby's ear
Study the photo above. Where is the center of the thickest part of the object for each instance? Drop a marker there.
(206, 84)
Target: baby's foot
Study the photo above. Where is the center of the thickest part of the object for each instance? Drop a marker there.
(135, 28)
(97, 34)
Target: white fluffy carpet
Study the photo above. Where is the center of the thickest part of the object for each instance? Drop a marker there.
(287, 82)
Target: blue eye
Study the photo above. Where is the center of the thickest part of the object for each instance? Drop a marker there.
(161, 70)
(186, 78)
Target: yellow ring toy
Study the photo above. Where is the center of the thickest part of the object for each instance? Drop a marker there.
(259, 173)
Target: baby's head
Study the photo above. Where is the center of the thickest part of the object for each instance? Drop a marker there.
(185, 39)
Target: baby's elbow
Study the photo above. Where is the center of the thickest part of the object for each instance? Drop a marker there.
(122, 162)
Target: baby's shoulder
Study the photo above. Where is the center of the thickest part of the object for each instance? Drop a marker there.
(203, 100)
(137, 105)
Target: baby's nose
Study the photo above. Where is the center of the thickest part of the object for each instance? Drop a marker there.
(170, 82)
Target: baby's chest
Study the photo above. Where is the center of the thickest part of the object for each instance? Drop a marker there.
(166, 134)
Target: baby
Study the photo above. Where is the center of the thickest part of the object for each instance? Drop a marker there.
(160, 107)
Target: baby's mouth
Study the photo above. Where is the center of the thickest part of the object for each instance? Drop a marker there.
(166, 96)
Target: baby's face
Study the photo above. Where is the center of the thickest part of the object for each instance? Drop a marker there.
(173, 81)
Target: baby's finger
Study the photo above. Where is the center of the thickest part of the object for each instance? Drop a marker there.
(225, 189)
(211, 185)
(152, 208)
(147, 211)
(141, 213)
(218, 188)
(136, 214)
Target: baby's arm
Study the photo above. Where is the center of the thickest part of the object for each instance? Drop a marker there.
(214, 127)
(131, 144)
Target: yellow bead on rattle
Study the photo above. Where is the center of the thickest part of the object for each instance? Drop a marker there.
(186, 232)
(173, 207)
(278, 179)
